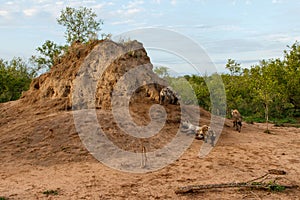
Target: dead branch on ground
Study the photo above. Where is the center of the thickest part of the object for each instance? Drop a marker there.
(257, 183)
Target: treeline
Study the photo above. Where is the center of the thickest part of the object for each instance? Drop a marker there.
(269, 90)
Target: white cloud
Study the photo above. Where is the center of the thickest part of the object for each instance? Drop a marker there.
(173, 2)
(122, 22)
(280, 1)
(222, 28)
(133, 4)
(59, 3)
(277, 1)
(282, 38)
(157, 1)
(128, 10)
(4, 13)
(133, 11)
(30, 12)
(9, 3)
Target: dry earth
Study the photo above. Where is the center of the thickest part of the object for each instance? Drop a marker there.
(41, 151)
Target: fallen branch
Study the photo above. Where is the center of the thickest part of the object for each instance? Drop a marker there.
(263, 186)
(253, 184)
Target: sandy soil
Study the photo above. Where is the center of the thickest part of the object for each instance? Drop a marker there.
(40, 151)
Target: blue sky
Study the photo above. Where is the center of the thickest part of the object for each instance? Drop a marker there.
(244, 30)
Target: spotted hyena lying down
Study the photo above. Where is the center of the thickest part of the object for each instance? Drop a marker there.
(201, 132)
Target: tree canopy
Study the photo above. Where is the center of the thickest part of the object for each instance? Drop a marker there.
(49, 54)
(15, 77)
(81, 24)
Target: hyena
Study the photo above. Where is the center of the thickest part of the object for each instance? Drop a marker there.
(237, 120)
(168, 95)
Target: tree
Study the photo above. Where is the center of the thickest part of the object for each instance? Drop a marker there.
(162, 72)
(233, 67)
(15, 77)
(198, 83)
(81, 24)
(266, 85)
(234, 85)
(292, 68)
(49, 55)
(217, 94)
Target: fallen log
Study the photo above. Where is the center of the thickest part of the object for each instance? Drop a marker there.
(263, 186)
(252, 184)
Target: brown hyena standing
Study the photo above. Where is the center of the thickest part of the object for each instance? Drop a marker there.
(237, 120)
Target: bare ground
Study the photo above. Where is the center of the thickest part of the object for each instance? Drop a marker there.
(40, 151)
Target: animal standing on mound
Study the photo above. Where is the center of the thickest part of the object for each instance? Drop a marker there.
(237, 120)
(167, 95)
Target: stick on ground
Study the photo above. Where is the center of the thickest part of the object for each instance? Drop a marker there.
(253, 184)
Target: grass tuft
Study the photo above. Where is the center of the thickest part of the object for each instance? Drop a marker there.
(50, 192)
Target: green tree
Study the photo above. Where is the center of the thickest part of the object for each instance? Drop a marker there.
(184, 89)
(233, 67)
(201, 90)
(161, 71)
(49, 54)
(266, 85)
(217, 94)
(81, 24)
(15, 77)
(234, 85)
(292, 68)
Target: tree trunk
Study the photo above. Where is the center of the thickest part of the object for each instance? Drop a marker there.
(267, 116)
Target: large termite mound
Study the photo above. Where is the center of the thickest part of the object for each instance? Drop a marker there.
(96, 66)
(39, 129)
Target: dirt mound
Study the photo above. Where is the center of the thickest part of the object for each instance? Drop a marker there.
(36, 131)
(112, 60)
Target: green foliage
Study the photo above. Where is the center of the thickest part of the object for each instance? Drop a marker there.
(81, 24)
(217, 94)
(201, 91)
(233, 67)
(3, 198)
(50, 54)
(285, 120)
(268, 91)
(50, 192)
(252, 119)
(292, 73)
(162, 72)
(271, 186)
(15, 77)
(105, 36)
(184, 89)
(274, 187)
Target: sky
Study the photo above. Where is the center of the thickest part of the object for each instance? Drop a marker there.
(244, 30)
